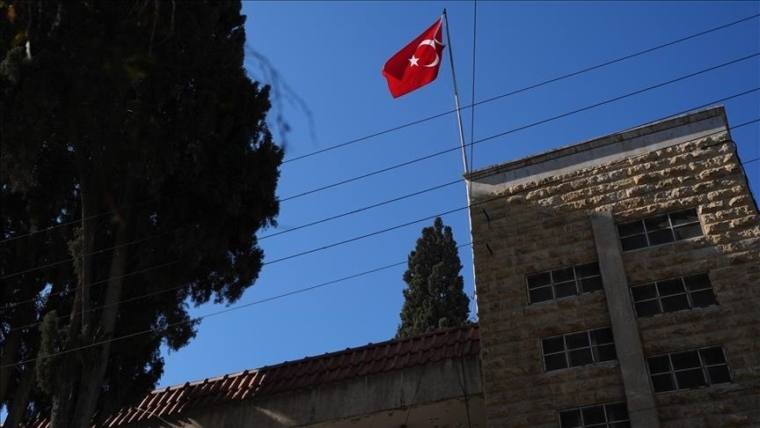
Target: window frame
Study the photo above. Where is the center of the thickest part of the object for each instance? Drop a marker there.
(658, 296)
(606, 424)
(704, 368)
(575, 352)
(577, 281)
(647, 234)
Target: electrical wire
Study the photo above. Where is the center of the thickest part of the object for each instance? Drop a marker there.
(517, 230)
(534, 86)
(417, 122)
(357, 238)
(540, 122)
(472, 99)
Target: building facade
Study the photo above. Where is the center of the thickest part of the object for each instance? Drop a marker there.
(618, 281)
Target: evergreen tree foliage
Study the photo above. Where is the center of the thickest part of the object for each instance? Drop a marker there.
(136, 168)
(434, 297)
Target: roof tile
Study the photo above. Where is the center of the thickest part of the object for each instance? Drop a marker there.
(306, 373)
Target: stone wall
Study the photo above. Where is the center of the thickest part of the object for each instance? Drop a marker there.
(545, 224)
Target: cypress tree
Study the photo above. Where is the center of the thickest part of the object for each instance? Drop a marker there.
(434, 297)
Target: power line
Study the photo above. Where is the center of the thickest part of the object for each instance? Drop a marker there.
(389, 229)
(474, 76)
(540, 122)
(556, 179)
(417, 122)
(498, 197)
(100, 251)
(440, 214)
(527, 88)
(453, 182)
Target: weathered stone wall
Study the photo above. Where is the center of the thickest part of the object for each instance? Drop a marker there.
(541, 225)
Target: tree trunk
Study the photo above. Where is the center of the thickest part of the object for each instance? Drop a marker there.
(17, 409)
(8, 357)
(79, 331)
(92, 376)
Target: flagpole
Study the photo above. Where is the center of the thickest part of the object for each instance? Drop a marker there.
(456, 100)
(464, 153)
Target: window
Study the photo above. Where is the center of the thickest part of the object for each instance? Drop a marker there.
(659, 229)
(672, 295)
(578, 349)
(690, 369)
(603, 415)
(568, 281)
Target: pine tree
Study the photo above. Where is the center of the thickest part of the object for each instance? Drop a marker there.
(434, 297)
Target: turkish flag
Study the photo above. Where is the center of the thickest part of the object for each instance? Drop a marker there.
(416, 64)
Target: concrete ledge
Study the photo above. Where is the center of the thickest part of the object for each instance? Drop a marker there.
(599, 151)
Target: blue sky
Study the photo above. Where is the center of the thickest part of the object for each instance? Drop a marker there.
(330, 55)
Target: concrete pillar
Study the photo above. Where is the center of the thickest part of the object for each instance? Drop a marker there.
(639, 396)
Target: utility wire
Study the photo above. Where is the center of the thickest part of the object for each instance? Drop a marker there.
(515, 232)
(102, 250)
(417, 122)
(540, 122)
(472, 99)
(447, 184)
(389, 229)
(527, 88)
(517, 228)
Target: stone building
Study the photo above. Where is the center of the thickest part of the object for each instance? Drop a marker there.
(618, 285)
(618, 281)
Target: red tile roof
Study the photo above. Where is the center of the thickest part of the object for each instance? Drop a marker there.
(308, 372)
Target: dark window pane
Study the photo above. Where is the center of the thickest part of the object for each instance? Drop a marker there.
(625, 424)
(662, 382)
(685, 216)
(644, 292)
(688, 231)
(697, 282)
(553, 344)
(563, 275)
(630, 228)
(539, 279)
(685, 360)
(657, 222)
(565, 289)
(703, 298)
(580, 357)
(661, 237)
(605, 353)
(570, 418)
(719, 374)
(591, 269)
(555, 362)
(577, 340)
(541, 294)
(675, 303)
(593, 415)
(591, 284)
(659, 364)
(601, 336)
(633, 242)
(712, 356)
(617, 412)
(648, 308)
(690, 378)
(671, 286)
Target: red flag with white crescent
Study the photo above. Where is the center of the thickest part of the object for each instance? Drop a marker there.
(416, 64)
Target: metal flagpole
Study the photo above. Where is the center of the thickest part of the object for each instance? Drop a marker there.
(464, 151)
(456, 100)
